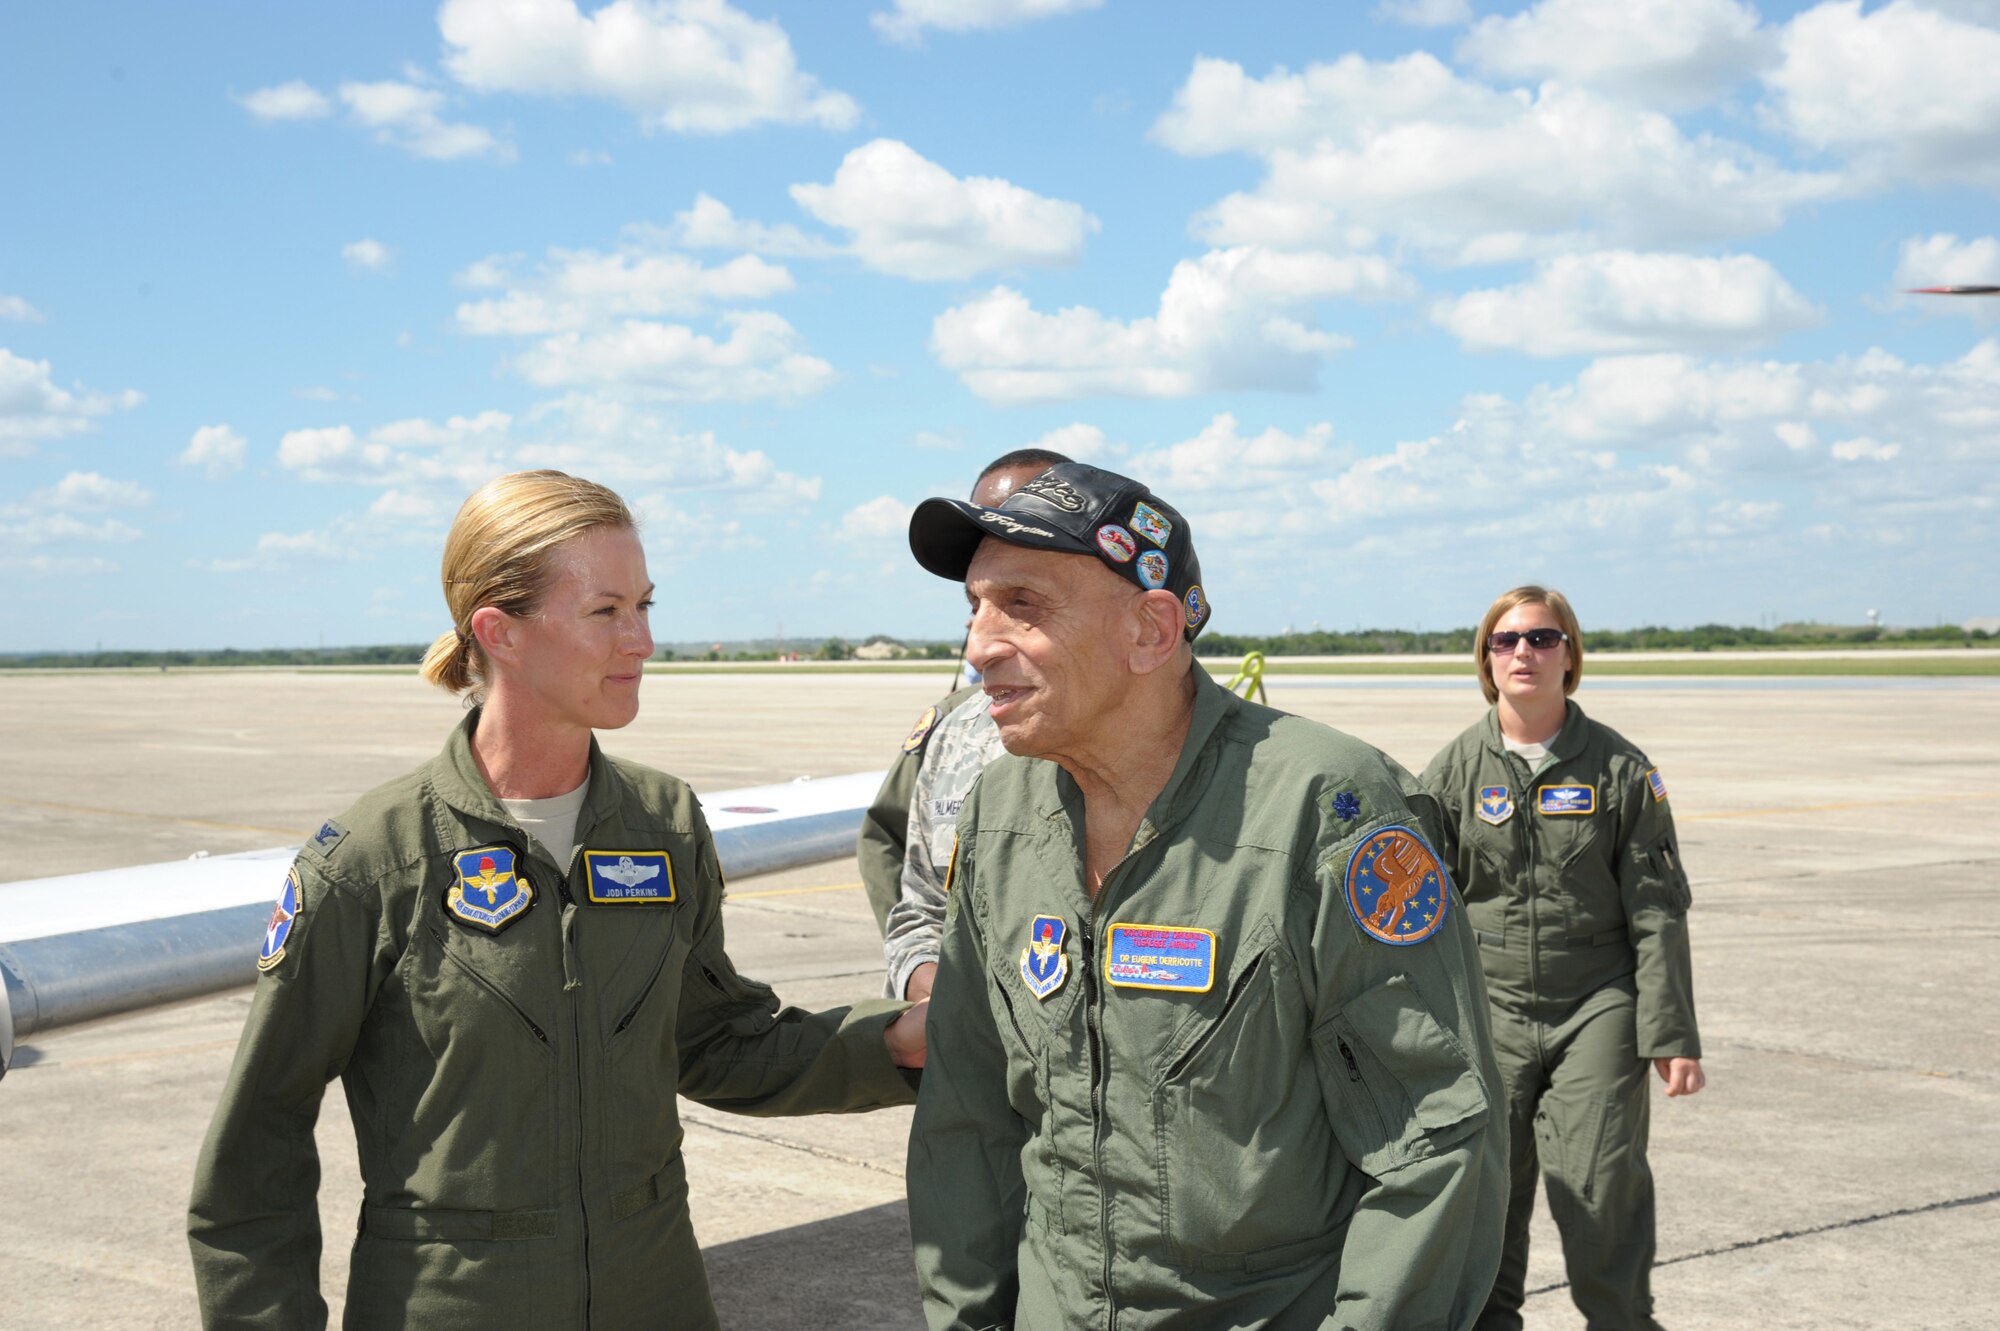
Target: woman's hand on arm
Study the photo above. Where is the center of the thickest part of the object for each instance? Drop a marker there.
(905, 1037)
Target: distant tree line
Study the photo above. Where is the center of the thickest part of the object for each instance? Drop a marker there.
(1319, 642)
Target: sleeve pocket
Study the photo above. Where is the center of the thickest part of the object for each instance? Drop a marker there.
(1398, 1085)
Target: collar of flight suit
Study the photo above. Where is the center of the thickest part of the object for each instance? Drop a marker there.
(1212, 704)
(456, 777)
(1568, 743)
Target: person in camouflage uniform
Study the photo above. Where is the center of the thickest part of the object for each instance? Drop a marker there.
(1563, 842)
(885, 827)
(959, 749)
(1208, 1043)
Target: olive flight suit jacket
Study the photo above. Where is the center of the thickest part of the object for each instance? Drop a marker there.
(1214, 1096)
(512, 1089)
(1572, 875)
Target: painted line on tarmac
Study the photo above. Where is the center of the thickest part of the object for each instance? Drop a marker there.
(149, 817)
(1975, 1199)
(1836, 808)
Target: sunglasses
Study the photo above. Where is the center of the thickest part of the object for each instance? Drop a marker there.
(1539, 639)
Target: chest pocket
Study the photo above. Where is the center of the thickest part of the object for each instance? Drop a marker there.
(1246, 1165)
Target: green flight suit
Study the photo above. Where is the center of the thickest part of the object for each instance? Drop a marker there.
(1313, 1140)
(512, 1093)
(1573, 881)
(885, 828)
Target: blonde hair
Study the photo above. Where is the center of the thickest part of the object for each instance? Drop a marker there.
(1558, 604)
(501, 553)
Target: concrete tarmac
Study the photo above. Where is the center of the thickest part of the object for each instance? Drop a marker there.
(1841, 1171)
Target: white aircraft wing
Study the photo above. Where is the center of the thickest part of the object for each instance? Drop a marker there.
(87, 945)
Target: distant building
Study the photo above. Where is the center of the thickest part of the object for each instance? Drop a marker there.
(1989, 624)
(881, 651)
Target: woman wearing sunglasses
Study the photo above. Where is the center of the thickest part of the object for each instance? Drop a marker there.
(1563, 845)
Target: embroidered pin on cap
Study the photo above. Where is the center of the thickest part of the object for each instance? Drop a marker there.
(1075, 509)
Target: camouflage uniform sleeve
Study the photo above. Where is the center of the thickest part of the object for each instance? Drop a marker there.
(1654, 885)
(740, 1051)
(957, 752)
(253, 1220)
(1404, 1053)
(885, 828)
(967, 1196)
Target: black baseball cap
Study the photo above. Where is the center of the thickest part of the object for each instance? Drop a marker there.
(1074, 509)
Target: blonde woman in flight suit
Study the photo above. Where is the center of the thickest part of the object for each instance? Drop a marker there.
(1563, 845)
(513, 959)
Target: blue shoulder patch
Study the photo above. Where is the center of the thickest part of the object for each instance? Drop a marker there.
(1397, 890)
(280, 927)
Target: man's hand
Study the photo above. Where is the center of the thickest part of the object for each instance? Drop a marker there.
(1683, 1076)
(918, 987)
(905, 1037)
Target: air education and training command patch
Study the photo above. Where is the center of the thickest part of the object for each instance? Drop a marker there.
(1565, 801)
(280, 927)
(1496, 805)
(1044, 964)
(489, 895)
(625, 876)
(1160, 956)
(1396, 889)
(1657, 783)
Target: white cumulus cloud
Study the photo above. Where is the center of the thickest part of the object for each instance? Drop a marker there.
(1228, 320)
(579, 289)
(367, 256)
(1425, 13)
(34, 407)
(1906, 89)
(1616, 301)
(879, 519)
(907, 21)
(708, 224)
(18, 310)
(912, 218)
(689, 66)
(409, 117)
(1676, 54)
(762, 356)
(1945, 260)
(216, 449)
(296, 100)
(1466, 172)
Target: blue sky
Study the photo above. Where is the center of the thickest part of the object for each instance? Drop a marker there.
(1401, 304)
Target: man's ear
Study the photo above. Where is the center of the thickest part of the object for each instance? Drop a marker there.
(1157, 630)
(496, 632)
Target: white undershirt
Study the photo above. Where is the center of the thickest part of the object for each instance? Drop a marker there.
(551, 822)
(1531, 753)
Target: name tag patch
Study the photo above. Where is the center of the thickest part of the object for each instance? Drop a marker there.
(1561, 801)
(1496, 805)
(1160, 956)
(625, 876)
(490, 893)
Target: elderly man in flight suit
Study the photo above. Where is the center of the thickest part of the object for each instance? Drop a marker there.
(1208, 1042)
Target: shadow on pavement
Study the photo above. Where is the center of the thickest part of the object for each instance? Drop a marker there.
(850, 1273)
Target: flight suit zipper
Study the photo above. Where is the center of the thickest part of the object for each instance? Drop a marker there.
(1097, 1075)
(486, 984)
(571, 984)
